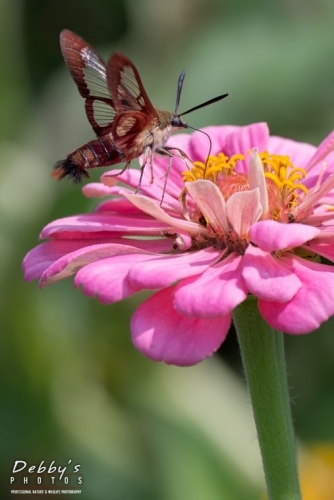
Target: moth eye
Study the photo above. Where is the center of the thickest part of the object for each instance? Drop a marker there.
(124, 125)
(176, 121)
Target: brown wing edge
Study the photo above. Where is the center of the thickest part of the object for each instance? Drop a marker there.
(73, 47)
(115, 65)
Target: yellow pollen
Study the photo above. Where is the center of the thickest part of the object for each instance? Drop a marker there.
(214, 166)
(282, 172)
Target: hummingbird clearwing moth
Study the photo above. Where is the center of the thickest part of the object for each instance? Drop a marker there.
(122, 116)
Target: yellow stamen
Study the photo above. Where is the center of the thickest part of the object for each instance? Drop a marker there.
(281, 170)
(214, 166)
(285, 183)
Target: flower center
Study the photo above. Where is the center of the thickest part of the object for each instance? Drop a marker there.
(280, 186)
(284, 181)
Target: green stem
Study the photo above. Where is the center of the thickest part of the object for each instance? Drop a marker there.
(262, 353)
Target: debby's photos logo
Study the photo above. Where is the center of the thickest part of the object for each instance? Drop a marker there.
(46, 479)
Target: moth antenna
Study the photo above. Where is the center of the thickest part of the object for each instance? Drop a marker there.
(179, 90)
(206, 103)
(210, 147)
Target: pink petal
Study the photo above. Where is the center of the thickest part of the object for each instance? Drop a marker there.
(181, 141)
(244, 139)
(154, 190)
(325, 249)
(267, 278)
(328, 199)
(183, 240)
(256, 179)
(272, 236)
(161, 163)
(97, 190)
(213, 293)
(118, 205)
(41, 257)
(162, 334)
(130, 177)
(161, 271)
(199, 143)
(324, 149)
(313, 303)
(314, 196)
(106, 279)
(168, 182)
(152, 208)
(299, 152)
(92, 225)
(210, 202)
(70, 263)
(243, 209)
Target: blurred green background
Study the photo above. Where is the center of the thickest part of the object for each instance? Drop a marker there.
(73, 387)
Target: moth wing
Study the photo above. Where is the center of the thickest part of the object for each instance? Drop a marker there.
(126, 88)
(89, 72)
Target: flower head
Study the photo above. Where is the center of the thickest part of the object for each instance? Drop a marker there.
(254, 218)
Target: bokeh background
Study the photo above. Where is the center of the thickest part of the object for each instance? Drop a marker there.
(73, 387)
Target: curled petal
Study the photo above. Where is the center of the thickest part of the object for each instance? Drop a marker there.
(213, 293)
(267, 277)
(152, 208)
(107, 279)
(163, 334)
(256, 179)
(243, 209)
(161, 271)
(89, 225)
(183, 240)
(44, 255)
(130, 177)
(324, 149)
(210, 202)
(97, 190)
(311, 305)
(71, 262)
(272, 236)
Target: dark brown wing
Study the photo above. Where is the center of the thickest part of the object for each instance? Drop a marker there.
(132, 132)
(89, 72)
(126, 88)
(136, 115)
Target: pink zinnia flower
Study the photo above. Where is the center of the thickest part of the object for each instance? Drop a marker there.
(257, 224)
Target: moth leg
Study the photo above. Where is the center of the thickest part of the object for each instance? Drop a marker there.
(151, 167)
(182, 155)
(166, 152)
(142, 168)
(147, 154)
(140, 178)
(127, 165)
